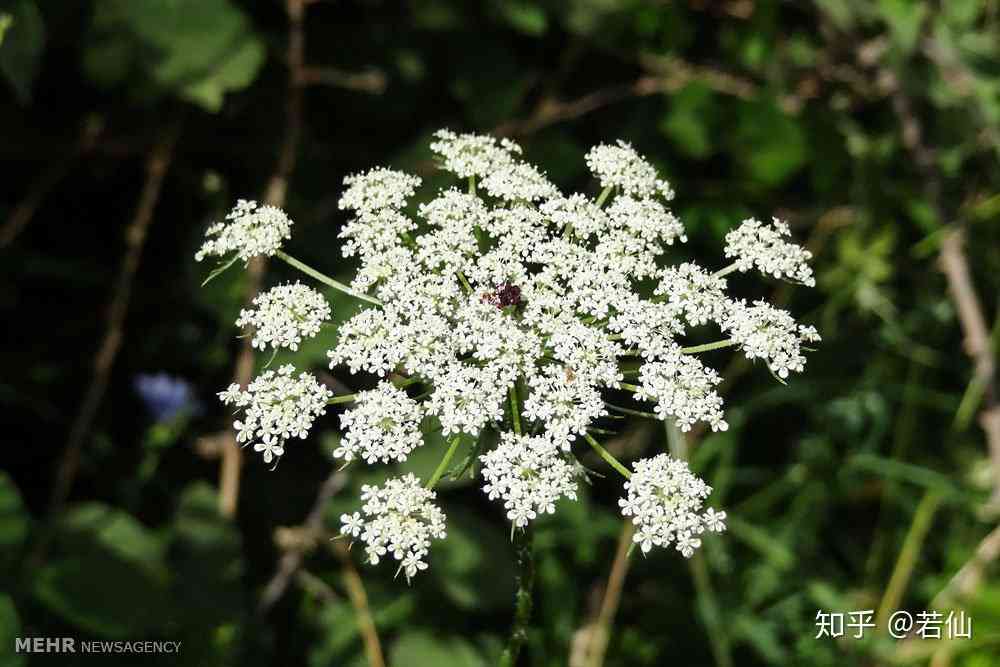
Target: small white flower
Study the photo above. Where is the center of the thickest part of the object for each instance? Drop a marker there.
(284, 315)
(352, 524)
(714, 521)
(248, 231)
(272, 450)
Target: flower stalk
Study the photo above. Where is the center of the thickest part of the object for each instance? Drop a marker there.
(325, 279)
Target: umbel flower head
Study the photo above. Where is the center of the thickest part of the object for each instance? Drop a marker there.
(529, 474)
(512, 307)
(399, 519)
(284, 315)
(277, 406)
(385, 426)
(249, 230)
(664, 499)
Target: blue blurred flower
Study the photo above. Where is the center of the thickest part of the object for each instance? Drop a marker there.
(165, 396)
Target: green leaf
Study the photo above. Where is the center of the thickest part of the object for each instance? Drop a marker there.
(689, 121)
(206, 557)
(769, 145)
(525, 17)
(905, 19)
(14, 519)
(476, 563)
(420, 649)
(111, 580)
(197, 50)
(23, 41)
(10, 628)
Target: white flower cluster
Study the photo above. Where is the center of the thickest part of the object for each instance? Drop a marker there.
(250, 230)
(284, 315)
(399, 518)
(277, 406)
(756, 244)
(619, 166)
(664, 499)
(769, 333)
(384, 427)
(683, 388)
(529, 474)
(504, 285)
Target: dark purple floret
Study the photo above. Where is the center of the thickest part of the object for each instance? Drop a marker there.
(508, 295)
(504, 295)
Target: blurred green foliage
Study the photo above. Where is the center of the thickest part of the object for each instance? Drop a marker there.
(873, 127)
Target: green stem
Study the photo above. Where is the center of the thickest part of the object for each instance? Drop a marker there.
(629, 411)
(465, 282)
(350, 398)
(729, 342)
(629, 387)
(452, 448)
(525, 581)
(325, 279)
(909, 554)
(726, 271)
(602, 197)
(707, 603)
(515, 413)
(607, 456)
(472, 185)
(710, 611)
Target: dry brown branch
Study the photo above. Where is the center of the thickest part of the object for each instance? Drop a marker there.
(977, 344)
(593, 637)
(967, 579)
(359, 599)
(296, 543)
(371, 80)
(135, 238)
(666, 74)
(277, 186)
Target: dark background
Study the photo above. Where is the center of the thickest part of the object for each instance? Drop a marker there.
(865, 483)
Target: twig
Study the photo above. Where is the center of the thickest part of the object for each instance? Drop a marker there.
(967, 579)
(371, 80)
(291, 559)
(955, 266)
(525, 582)
(551, 110)
(359, 599)
(315, 586)
(599, 631)
(277, 186)
(135, 238)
